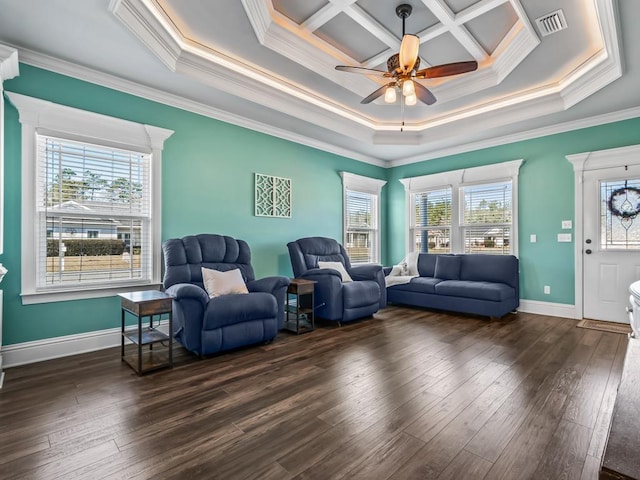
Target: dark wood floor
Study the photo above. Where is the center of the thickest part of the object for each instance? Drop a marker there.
(407, 394)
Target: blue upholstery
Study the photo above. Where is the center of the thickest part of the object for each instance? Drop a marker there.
(473, 283)
(447, 267)
(203, 325)
(336, 300)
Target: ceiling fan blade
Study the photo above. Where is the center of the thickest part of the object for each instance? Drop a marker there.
(409, 52)
(447, 69)
(424, 94)
(366, 71)
(378, 93)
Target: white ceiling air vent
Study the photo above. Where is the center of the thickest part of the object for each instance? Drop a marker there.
(551, 23)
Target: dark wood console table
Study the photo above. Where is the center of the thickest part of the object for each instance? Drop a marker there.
(621, 460)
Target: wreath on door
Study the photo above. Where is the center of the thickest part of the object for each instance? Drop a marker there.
(624, 203)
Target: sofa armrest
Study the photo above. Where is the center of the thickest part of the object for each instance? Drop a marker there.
(386, 271)
(365, 272)
(189, 304)
(182, 291)
(268, 284)
(319, 274)
(373, 272)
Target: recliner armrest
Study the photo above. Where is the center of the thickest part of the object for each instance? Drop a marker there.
(182, 291)
(365, 272)
(268, 284)
(321, 273)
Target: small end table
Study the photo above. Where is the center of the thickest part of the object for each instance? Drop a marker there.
(300, 317)
(147, 304)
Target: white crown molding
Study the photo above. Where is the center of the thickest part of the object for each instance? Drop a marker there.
(8, 63)
(548, 308)
(63, 67)
(149, 28)
(522, 136)
(269, 89)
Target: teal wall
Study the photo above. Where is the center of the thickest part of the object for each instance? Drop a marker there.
(207, 186)
(546, 197)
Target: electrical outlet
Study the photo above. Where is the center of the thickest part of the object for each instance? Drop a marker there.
(547, 290)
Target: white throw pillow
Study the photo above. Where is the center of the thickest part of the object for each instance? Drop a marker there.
(339, 267)
(218, 283)
(412, 263)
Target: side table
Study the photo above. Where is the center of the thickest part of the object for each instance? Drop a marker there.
(300, 317)
(147, 304)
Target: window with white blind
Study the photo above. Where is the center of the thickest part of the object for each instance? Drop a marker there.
(464, 211)
(361, 217)
(90, 202)
(90, 196)
(486, 217)
(431, 222)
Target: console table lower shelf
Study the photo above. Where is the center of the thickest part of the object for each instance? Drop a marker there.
(148, 348)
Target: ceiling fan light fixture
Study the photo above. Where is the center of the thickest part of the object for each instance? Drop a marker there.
(409, 52)
(411, 100)
(408, 88)
(390, 95)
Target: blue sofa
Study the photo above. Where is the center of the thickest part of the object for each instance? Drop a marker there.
(206, 325)
(470, 283)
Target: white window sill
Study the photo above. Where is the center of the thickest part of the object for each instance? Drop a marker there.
(31, 298)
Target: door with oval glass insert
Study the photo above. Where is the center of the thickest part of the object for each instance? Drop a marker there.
(611, 250)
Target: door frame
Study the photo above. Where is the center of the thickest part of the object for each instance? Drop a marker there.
(585, 162)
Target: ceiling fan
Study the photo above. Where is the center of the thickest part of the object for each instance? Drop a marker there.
(403, 70)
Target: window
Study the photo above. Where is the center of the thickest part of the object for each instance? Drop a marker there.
(88, 180)
(486, 217)
(431, 212)
(464, 211)
(361, 217)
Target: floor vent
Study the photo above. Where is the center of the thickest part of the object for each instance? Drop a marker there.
(551, 23)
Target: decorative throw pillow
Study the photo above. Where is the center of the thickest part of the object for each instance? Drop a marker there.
(218, 283)
(447, 267)
(412, 263)
(339, 267)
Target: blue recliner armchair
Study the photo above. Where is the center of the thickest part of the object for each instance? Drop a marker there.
(206, 325)
(334, 299)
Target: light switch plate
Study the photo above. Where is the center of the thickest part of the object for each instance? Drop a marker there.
(567, 224)
(564, 237)
(533, 238)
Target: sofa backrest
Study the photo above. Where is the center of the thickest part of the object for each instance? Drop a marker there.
(477, 267)
(306, 252)
(185, 257)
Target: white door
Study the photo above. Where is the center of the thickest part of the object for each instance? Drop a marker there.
(611, 249)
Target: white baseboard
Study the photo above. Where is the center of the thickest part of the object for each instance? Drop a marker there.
(50, 348)
(548, 308)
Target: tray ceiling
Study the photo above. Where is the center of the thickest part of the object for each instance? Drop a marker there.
(270, 64)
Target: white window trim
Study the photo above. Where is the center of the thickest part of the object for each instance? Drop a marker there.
(359, 183)
(456, 180)
(43, 117)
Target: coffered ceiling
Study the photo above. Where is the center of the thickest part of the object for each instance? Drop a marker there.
(270, 64)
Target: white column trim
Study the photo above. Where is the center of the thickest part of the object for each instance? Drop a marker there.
(8, 69)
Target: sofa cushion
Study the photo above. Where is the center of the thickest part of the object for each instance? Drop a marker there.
(228, 309)
(495, 292)
(358, 294)
(490, 268)
(447, 267)
(427, 264)
(419, 284)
